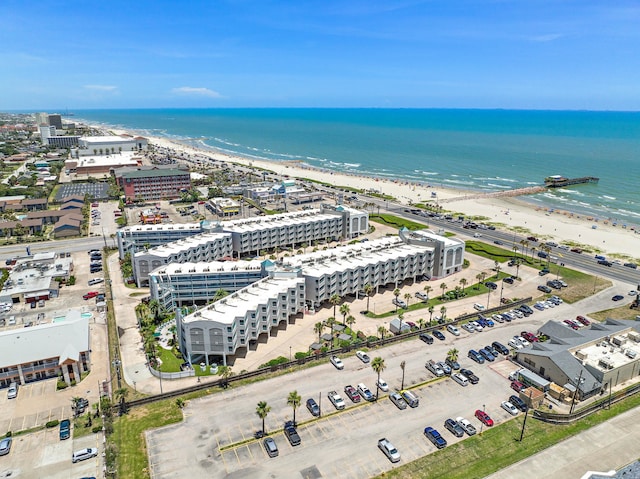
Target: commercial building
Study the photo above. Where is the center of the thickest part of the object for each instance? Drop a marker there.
(237, 321)
(224, 206)
(94, 145)
(156, 182)
(202, 248)
(102, 165)
(603, 355)
(59, 349)
(49, 136)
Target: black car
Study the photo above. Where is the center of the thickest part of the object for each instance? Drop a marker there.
(468, 373)
(544, 289)
(292, 434)
(313, 407)
(492, 350)
(517, 402)
(453, 427)
(498, 242)
(618, 297)
(427, 338)
(491, 285)
(508, 280)
(554, 283)
(439, 335)
(605, 262)
(500, 347)
(631, 265)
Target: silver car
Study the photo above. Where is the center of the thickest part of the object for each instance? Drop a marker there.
(388, 449)
(398, 400)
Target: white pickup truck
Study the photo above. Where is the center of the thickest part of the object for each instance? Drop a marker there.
(336, 400)
(337, 362)
(365, 392)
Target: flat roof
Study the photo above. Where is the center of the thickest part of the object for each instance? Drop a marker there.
(277, 221)
(208, 267)
(127, 158)
(161, 227)
(184, 244)
(107, 139)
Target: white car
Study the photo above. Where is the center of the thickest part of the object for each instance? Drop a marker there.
(337, 362)
(522, 341)
(469, 327)
(336, 400)
(478, 307)
(633, 292)
(382, 384)
(497, 318)
(510, 408)
(476, 325)
(466, 426)
(362, 356)
(453, 330)
(514, 344)
(365, 392)
(460, 379)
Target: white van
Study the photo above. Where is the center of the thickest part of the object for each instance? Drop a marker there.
(410, 398)
(12, 392)
(83, 454)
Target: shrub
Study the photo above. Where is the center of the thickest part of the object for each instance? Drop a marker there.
(61, 384)
(301, 355)
(8, 434)
(96, 429)
(51, 424)
(275, 362)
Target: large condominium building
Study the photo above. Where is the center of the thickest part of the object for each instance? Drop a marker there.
(198, 283)
(132, 239)
(448, 252)
(201, 248)
(211, 334)
(93, 145)
(153, 182)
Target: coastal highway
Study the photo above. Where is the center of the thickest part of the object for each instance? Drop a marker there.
(67, 245)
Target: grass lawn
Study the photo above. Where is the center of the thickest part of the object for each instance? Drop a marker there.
(621, 312)
(170, 363)
(498, 447)
(128, 435)
(79, 423)
(396, 221)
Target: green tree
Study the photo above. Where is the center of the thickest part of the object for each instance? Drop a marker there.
(344, 310)
(263, 410)
(431, 310)
(382, 331)
(378, 365)
(443, 287)
(350, 321)
(225, 373)
(463, 282)
(402, 366)
(427, 289)
(368, 289)
(396, 293)
(335, 301)
(319, 326)
(294, 400)
(443, 313)
(154, 307)
(407, 298)
(452, 354)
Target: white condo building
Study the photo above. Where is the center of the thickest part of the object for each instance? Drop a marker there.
(132, 239)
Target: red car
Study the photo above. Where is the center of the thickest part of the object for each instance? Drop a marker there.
(517, 386)
(532, 338)
(352, 393)
(583, 320)
(484, 418)
(571, 324)
(91, 294)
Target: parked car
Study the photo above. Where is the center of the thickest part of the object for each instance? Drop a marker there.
(362, 356)
(365, 392)
(398, 400)
(544, 289)
(571, 324)
(453, 427)
(352, 393)
(466, 426)
(583, 320)
(427, 338)
(292, 434)
(382, 384)
(270, 446)
(460, 379)
(439, 335)
(500, 347)
(337, 362)
(453, 330)
(517, 402)
(388, 449)
(476, 356)
(454, 365)
(90, 294)
(336, 400)
(423, 297)
(468, 373)
(313, 407)
(65, 429)
(532, 338)
(84, 454)
(445, 367)
(468, 327)
(478, 307)
(435, 437)
(95, 281)
(517, 386)
(491, 285)
(483, 417)
(400, 303)
(486, 355)
(5, 446)
(508, 280)
(617, 297)
(510, 408)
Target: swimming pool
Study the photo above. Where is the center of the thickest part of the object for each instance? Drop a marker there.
(59, 319)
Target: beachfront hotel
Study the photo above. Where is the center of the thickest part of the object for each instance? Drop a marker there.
(237, 321)
(93, 145)
(304, 282)
(132, 239)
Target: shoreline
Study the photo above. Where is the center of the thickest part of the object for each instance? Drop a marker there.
(511, 213)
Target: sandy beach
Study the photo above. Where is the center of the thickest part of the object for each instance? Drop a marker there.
(510, 213)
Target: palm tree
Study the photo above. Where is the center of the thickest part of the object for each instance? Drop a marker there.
(368, 289)
(431, 309)
(330, 322)
(154, 307)
(463, 282)
(497, 268)
(443, 312)
(452, 354)
(427, 289)
(443, 287)
(294, 401)
(515, 251)
(381, 331)
(318, 329)
(378, 366)
(421, 323)
(335, 300)
(396, 293)
(350, 321)
(344, 310)
(518, 262)
(225, 373)
(263, 410)
(479, 277)
(533, 251)
(407, 299)
(525, 245)
(402, 365)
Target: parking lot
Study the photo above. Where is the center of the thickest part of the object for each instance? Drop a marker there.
(343, 444)
(43, 454)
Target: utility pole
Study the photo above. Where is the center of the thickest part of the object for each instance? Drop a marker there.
(573, 401)
(526, 414)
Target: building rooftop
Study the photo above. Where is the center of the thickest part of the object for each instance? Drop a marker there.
(153, 172)
(161, 227)
(184, 244)
(276, 221)
(429, 235)
(126, 158)
(220, 266)
(106, 139)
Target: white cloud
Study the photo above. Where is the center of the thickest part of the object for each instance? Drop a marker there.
(101, 87)
(196, 91)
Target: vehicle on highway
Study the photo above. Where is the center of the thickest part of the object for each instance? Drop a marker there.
(388, 449)
(453, 330)
(631, 265)
(476, 356)
(270, 446)
(498, 242)
(398, 400)
(382, 384)
(291, 433)
(439, 335)
(5, 446)
(460, 379)
(427, 338)
(365, 392)
(336, 400)
(617, 297)
(453, 427)
(478, 307)
(337, 362)
(466, 426)
(410, 398)
(352, 393)
(532, 238)
(501, 348)
(604, 262)
(468, 373)
(483, 417)
(313, 407)
(84, 454)
(362, 356)
(510, 408)
(65, 429)
(517, 402)
(435, 437)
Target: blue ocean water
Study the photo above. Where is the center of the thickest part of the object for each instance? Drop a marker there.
(487, 150)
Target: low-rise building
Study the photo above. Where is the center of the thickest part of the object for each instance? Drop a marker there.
(94, 145)
(224, 207)
(96, 165)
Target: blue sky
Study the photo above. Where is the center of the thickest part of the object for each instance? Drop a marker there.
(536, 54)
